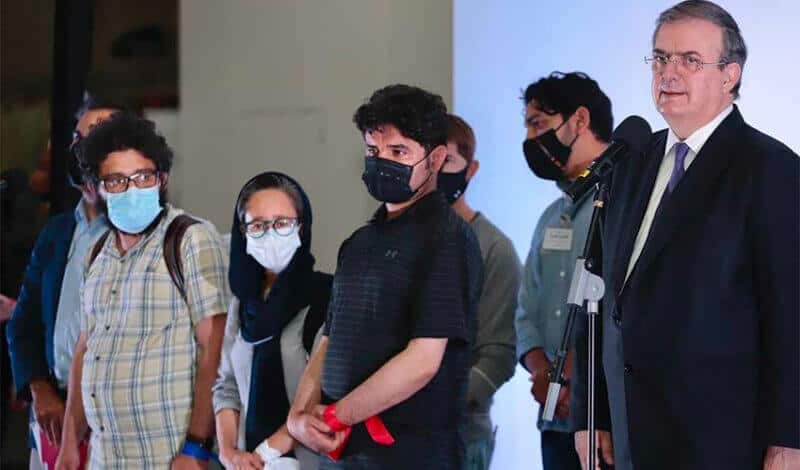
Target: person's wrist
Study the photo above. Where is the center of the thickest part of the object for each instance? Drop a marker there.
(69, 439)
(266, 452)
(551, 377)
(226, 454)
(293, 419)
(204, 442)
(332, 419)
(40, 387)
(536, 361)
(198, 448)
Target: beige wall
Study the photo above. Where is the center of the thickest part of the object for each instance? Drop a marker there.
(273, 84)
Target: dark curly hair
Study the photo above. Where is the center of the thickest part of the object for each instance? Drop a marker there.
(418, 114)
(563, 93)
(124, 131)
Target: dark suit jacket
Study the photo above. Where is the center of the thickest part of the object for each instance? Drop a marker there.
(700, 345)
(30, 329)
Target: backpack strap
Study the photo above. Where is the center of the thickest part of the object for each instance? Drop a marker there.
(98, 247)
(172, 248)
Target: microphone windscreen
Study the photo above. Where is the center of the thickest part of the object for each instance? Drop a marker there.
(635, 132)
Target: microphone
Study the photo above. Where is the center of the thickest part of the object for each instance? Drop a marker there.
(631, 136)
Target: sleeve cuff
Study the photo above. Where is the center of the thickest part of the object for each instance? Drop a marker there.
(527, 342)
(224, 401)
(481, 387)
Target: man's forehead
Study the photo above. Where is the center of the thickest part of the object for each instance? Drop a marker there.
(452, 150)
(532, 110)
(689, 35)
(386, 135)
(382, 131)
(126, 161)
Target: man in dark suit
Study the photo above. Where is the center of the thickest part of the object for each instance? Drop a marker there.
(700, 258)
(42, 330)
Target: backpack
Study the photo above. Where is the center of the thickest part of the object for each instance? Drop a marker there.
(172, 245)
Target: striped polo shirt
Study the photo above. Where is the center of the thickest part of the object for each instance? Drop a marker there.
(417, 275)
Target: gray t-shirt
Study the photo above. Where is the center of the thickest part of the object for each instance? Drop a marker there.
(494, 355)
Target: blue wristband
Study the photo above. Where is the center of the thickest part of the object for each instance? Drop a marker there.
(195, 450)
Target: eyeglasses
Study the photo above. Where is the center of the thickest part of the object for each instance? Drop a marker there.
(283, 226)
(117, 183)
(688, 62)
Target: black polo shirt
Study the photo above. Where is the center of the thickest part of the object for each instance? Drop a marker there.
(417, 275)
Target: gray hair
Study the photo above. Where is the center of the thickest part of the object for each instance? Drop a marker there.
(733, 48)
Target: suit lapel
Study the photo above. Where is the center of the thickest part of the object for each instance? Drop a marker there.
(61, 248)
(639, 185)
(695, 192)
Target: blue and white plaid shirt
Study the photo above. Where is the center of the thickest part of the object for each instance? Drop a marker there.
(139, 367)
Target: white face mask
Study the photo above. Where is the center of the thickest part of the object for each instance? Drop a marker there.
(273, 251)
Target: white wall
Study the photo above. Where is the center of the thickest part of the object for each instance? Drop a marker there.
(503, 45)
(272, 85)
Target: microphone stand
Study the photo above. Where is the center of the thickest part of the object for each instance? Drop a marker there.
(586, 288)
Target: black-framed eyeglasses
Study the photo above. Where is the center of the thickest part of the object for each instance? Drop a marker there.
(688, 62)
(283, 226)
(118, 183)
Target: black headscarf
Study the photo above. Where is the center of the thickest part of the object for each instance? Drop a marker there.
(262, 320)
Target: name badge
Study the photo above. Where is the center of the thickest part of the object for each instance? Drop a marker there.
(557, 239)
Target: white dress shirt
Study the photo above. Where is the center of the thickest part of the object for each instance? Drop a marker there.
(695, 143)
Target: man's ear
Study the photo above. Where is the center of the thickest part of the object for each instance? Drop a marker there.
(472, 168)
(89, 191)
(164, 180)
(89, 185)
(583, 120)
(733, 73)
(438, 156)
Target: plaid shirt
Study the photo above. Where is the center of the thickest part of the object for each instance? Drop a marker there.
(139, 367)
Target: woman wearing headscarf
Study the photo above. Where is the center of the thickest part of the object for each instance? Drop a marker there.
(274, 319)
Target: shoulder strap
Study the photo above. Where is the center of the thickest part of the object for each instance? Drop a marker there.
(172, 248)
(98, 246)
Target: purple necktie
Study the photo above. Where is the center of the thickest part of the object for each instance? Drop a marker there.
(681, 150)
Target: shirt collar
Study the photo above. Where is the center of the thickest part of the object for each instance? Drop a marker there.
(80, 213)
(700, 136)
(571, 207)
(82, 219)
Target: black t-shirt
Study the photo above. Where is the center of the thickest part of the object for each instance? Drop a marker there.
(418, 275)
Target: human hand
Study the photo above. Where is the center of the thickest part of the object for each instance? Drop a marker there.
(604, 447)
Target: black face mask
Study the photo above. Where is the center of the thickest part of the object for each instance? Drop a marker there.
(389, 181)
(452, 185)
(546, 156)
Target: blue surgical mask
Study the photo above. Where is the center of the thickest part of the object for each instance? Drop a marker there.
(134, 210)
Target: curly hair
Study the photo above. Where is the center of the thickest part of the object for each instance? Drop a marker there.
(124, 131)
(563, 93)
(418, 114)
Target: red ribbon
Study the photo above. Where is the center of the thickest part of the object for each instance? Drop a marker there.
(375, 427)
